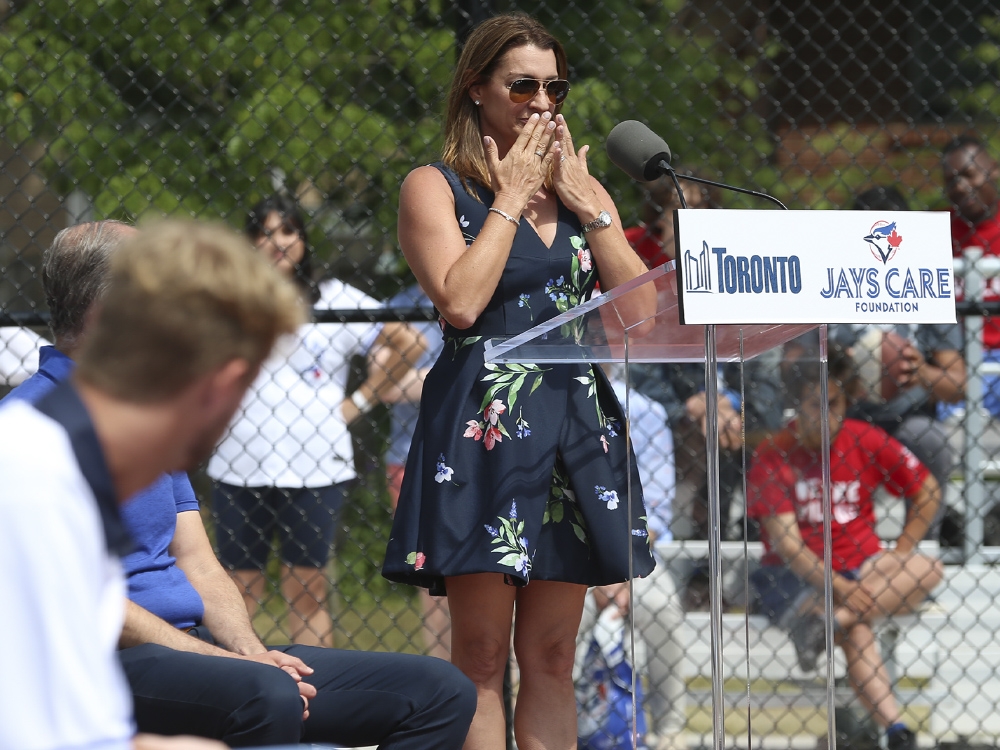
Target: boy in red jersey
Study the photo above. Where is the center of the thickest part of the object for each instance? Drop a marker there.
(785, 495)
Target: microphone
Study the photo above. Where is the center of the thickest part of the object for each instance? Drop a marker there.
(643, 155)
(638, 151)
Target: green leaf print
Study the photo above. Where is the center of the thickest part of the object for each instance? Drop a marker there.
(460, 343)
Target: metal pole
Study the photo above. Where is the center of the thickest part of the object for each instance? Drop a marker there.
(714, 533)
(975, 418)
(824, 395)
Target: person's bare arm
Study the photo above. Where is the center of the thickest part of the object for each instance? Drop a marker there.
(180, 742)
(924, 504)
(944, 377)
(225, 613)
(390, 362)
(142, 626)
(614, 258)
(460, 280)
(582, 194)
(730, 423)
(783, 530)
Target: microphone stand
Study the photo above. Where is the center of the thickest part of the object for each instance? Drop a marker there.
(665, 167)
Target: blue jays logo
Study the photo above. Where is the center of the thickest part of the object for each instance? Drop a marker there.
(884, 240)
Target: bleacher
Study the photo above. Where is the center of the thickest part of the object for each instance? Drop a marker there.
(787, 707)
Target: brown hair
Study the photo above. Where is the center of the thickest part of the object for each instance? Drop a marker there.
(487, 44)
(185, 297)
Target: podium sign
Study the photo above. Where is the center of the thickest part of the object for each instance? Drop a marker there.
(744, 266)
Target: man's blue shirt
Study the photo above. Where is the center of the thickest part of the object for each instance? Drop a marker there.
(150, 516)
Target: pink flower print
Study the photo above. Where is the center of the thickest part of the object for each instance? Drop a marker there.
(494, 410)
(586, 261)
(418, 564)
(493, 436)
(474, 429)
(604, 442)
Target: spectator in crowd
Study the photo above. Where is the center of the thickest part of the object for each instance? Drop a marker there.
(403, 415)
(934, 370)
(654, 238)
(970, 179)
(506, 231)
(192, 659)
(680, 386)
(658, 613)
(286, 464)
(869, 582)
(180, 293)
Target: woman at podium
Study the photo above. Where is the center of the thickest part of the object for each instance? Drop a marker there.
(516, 484)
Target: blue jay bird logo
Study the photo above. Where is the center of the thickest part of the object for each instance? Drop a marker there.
(884, 240)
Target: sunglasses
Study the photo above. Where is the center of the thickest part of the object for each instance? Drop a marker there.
(524, 89)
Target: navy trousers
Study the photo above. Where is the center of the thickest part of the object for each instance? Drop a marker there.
(397, 701)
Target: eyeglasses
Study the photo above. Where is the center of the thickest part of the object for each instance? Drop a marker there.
(524, 89)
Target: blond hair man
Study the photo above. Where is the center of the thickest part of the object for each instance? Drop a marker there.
(188, 317)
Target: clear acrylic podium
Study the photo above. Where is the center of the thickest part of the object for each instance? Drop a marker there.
(638, 322)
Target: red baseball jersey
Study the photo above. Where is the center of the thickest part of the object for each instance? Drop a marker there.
(784, 477)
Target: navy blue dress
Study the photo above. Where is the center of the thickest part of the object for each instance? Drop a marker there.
(518, 469)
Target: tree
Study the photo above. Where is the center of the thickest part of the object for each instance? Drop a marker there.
(199, 106)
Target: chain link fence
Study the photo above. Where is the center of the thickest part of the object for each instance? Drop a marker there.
(127, 110)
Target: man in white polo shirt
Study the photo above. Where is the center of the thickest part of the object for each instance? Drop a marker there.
(189, 316)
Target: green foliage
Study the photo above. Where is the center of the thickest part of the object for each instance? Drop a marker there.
(651, 61)
(201, 106)
(197, 105)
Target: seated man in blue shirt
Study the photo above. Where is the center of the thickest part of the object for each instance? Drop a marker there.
(191, 656)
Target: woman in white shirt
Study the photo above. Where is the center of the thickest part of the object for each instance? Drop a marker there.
(286, 463)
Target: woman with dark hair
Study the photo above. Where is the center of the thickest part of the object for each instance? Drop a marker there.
(276, 225)
(515, 486)
(286, 463)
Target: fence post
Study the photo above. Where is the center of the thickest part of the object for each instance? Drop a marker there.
(975, 418)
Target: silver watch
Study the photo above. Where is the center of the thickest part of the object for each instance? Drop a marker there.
(603, 220)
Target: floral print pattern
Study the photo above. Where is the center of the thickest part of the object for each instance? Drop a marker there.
(444, 473)
(509, 542)
(459, 343)
(517, 504)
(510, 378)
(611, 424)
(523, 300)
(570, 292)
(417, 560)
(562, 505)
(522, 426)
(491, 430)
(606, 496)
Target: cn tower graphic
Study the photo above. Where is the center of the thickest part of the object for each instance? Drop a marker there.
(696, 275)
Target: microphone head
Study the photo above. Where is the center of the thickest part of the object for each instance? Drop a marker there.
(637, 150)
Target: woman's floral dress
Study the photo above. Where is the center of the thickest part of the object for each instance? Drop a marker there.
(518, 469)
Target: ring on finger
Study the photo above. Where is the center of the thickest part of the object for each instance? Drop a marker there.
(540, 153)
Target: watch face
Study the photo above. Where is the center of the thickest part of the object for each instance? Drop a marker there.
(603, 220)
